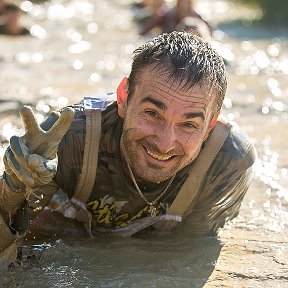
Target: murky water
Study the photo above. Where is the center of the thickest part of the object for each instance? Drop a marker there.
(84, 47)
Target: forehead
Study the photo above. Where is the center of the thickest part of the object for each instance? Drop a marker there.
(157, 82)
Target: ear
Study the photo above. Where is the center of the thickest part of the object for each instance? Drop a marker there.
(211, 125)
(122, 94)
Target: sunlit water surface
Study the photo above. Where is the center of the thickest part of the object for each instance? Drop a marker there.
(84, 47)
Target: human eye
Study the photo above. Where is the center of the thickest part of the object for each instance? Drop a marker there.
(151, 113)
(189, 125)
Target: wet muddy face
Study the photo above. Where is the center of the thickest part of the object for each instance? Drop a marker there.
(164, 126)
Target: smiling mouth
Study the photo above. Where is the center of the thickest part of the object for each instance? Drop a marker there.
(158, 157)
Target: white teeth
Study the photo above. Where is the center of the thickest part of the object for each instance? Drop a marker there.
(158, 157)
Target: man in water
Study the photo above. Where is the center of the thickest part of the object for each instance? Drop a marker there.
(154, 139)
(12, 25)
(174, 19)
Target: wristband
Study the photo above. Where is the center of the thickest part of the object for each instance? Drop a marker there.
(11, 185)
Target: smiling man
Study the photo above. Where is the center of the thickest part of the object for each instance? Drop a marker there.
(164, 154)
(164, 126)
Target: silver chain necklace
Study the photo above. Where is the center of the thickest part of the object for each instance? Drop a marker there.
(152, 205)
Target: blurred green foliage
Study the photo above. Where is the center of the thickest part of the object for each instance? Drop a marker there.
(274, 11)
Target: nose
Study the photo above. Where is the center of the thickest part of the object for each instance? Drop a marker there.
(165, 139)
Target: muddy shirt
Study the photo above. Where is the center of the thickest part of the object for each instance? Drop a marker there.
(114, 201)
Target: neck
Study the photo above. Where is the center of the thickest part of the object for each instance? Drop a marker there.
(148, 186)
(144, 185)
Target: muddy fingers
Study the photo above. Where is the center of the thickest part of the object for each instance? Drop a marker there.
(15, 161)
(43, 171)
(55, 134)
(31, 160)
(45, 143)
(30, 124)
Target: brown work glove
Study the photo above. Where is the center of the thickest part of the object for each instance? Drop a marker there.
(31, 160)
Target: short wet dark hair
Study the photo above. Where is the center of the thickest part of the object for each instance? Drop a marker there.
(184, 58)
(10, 7)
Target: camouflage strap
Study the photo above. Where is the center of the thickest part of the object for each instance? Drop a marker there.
(90, 159)
(75, 208)
(183, 201)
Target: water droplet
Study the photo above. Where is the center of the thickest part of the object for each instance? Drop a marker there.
(37, 57)
(261, 59)
(283, 66)
(95, 77)
(274, 50)
(77, 64)
(79, 47)
(265, 110)
(247, 46)
(227, 103)
(38, 31)
(92, 27)
(39, 117)
(278, 105)
(110, 66)
(266, 204)
(272, 83)
(26, 6)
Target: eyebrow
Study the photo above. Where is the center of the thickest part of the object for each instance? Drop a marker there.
(191, 115)
(159, 104)
(162, 106)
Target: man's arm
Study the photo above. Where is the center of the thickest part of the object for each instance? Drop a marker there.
(220, 198)
(30, 165)
(31, 160)
(225, 185)
(219, 206)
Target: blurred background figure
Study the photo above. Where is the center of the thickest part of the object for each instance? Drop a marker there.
(167, 20)
(154, 5)
(12, 20)
(147, 9)
(2, 8)
(196, 26)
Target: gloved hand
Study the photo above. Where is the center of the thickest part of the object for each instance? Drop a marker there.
(31, 160)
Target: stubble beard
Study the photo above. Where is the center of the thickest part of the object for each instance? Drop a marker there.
(157, 176)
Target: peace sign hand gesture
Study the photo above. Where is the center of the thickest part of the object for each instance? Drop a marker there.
(31, 160)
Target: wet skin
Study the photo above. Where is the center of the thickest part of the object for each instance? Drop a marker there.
(164, 126)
